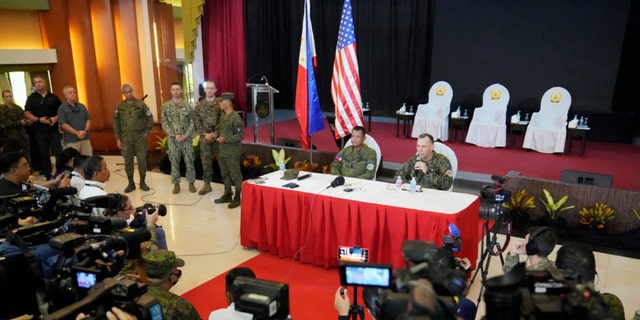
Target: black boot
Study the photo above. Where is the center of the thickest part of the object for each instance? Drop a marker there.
(131, 186)
(235, 202)
(143, 185)
(224, 199)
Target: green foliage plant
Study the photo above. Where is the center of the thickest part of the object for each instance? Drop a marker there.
(278, 158)
(521, 202)
(552, 207)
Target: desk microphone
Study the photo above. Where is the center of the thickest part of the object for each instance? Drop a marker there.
(338, 181)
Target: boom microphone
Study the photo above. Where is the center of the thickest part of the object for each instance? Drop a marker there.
(338, 181)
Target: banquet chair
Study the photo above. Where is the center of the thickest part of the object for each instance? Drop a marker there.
(547, 130)
(433, 116)
(332, 126)
(371, 143)
(488, 126)
(444, 150)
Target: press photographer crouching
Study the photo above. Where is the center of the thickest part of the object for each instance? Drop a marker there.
(537, 245)
(142, 217)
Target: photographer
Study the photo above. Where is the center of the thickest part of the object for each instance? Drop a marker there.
(143, 218)
(537, 245)
(113, 314)
(161, 267)
(582, 262)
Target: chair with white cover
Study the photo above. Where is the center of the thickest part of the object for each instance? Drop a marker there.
(444, 150)
(371, 143)
(547, 130)
(488, 126)
(433, 116)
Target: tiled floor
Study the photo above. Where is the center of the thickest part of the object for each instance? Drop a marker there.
(206, 236)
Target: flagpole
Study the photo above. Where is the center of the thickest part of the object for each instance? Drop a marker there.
(310, 149)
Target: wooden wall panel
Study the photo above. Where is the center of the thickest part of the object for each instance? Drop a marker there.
(54, 28)
(124, 14)
(20, 29)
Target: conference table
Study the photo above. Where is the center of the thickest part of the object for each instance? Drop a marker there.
(310, 222)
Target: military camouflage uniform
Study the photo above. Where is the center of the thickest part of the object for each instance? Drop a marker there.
(13, 129)
(173, 306)
(355, 163)
(132, 122)
(231, 127)
(616, 308)
(178, 119)
(511, 260)
(206, 117)
(438, 176)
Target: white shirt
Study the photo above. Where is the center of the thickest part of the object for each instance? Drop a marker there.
(229, 313)
(91, 189)
(77, 181)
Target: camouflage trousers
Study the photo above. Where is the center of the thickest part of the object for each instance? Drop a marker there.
(134, 144)
(207, 150)
(184, 149)
(229, 160)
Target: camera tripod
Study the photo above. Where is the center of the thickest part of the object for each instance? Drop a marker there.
(490, 245)
(356, 310)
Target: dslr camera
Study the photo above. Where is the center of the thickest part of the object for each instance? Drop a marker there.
(495, 192)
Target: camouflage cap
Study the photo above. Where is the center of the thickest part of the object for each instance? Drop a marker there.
(158, 263)
(290, 174)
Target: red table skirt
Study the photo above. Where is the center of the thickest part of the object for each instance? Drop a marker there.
(310, 227)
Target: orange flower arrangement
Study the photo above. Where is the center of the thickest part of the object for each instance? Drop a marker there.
(252, 161)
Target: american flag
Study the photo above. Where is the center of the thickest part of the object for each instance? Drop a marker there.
(345, 82)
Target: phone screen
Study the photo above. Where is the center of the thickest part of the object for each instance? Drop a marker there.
(367, 275)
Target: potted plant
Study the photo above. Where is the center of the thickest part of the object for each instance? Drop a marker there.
(279, 158)
(304, 165)
(596, 215)
(554, 208)
(251, 166)
(520, 204)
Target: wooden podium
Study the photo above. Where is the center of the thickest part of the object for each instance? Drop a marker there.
(262, 88)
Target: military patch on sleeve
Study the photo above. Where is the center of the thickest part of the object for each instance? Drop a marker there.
(449, 173)
(238, 129)
(339, 157)
(148, 113)
(116, 110)
(369, 166)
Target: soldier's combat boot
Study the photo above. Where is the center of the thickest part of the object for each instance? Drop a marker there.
(235, 202)
(143, 185)
(206, 188)
(176, 188)
(192, 187)
(131, 186)
(224, 199)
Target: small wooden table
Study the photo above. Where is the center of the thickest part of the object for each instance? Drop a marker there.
(516, 129)
(458, 124)
(579, 133)
(367, 112)
(407, 122)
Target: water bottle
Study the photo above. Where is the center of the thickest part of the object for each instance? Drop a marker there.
(458, 112)
(519, 116)
(399, 183)
(581, 122)
(411, 109)
(412, 185)
(366, 106)
(282, 167)
(466, 113)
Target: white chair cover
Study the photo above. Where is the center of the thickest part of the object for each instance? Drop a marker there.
(443, 149)
(371, 143)
(433, 117)
(547, 130)
(488, 126)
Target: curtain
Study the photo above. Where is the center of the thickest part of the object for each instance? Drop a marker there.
(392, 39)
(224, 47)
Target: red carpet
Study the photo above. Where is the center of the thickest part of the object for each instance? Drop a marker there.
(616, 159)
(311, 289)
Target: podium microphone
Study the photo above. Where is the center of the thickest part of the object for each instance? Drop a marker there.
(338, 181)
(264, 78)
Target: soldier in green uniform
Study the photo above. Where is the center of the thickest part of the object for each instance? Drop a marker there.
(13, 122)
(230, 134)
(161, 267)
(178, 124)
(132, 122)
(356, 160)
(207, 112)
(431, 170)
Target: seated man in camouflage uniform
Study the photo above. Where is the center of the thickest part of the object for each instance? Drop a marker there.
(431, 170)
(356, 160)
(537, 245)
(161, 267)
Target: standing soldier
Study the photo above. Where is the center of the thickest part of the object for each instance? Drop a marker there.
(230, 134)
(132, 122)
(13, 122)
(177, 123)
(206, 114)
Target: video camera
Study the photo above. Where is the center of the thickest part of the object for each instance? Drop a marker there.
(549, 294)
(495, 193)
(264, 299)
(120, 291)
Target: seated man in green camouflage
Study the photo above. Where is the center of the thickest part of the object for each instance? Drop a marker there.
(431, 169)
(356, 160)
